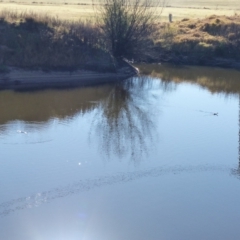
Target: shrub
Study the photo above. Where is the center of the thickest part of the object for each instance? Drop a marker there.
(129, 26)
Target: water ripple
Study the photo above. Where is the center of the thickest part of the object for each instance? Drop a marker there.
(38, 199)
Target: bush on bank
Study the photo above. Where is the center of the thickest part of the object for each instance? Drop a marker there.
(129, 26)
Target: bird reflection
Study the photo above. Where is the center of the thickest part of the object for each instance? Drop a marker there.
(124, 121)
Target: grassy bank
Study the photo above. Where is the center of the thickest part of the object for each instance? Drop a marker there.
(36, 41)
(214, 40)
(33, 41)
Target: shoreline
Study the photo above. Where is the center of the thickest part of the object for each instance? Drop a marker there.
(201, 62)
(19, 79)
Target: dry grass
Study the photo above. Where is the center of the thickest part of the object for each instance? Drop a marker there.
(215, 36)
(62, 11)
(75, 10)
(212, 4)
(30, 40)
(59, 36)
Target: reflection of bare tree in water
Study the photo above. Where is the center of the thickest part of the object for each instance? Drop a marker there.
(123, 120)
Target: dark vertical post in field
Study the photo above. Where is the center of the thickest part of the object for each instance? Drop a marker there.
(170, 17)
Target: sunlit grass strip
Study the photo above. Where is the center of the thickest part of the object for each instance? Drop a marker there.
(214, 36)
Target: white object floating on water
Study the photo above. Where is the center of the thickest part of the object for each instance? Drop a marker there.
(79, 164)
(20, 131)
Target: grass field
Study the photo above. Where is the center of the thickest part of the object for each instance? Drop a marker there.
(74, 10)
(66, 12)
(213, 4)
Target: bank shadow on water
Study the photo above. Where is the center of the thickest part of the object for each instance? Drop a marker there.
(215, 80)
(41, 106)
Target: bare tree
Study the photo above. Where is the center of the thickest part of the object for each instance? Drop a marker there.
(129, 26)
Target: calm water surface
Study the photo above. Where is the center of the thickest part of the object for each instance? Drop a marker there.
(155, 157)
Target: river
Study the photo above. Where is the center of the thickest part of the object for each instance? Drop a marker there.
(153, 157)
